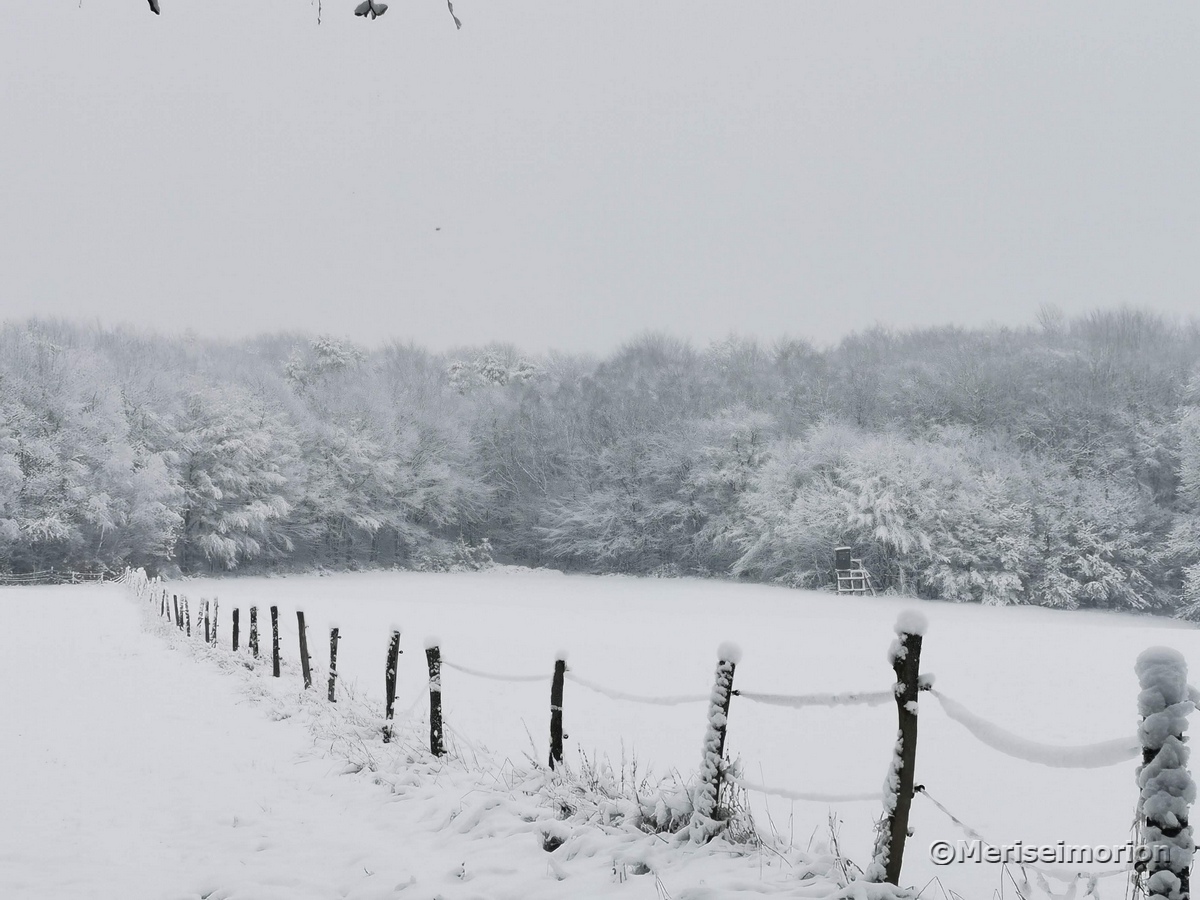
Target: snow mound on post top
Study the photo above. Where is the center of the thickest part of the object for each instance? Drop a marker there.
(432, 641)
(1162, 672)
(911, 622)
(730, 652)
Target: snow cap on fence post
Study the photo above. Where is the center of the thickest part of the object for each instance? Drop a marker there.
(911, 621)
(1166, 789)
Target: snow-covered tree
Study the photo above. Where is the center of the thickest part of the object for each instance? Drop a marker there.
(235, 454)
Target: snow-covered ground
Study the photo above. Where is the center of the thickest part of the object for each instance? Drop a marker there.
(137, 763)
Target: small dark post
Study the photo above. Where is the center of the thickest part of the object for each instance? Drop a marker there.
(433, 656)
(162, 604)
(275, 641)
(333, 642)
(187, 616)
(712, 766)
(178, 615)
(216, 613)
(207, 629)
(390, 685)
(254, 631)
(304, 668)
(236, 616)
(556, 712)
(893, 830)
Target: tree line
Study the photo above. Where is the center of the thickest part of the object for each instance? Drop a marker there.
(1056, 464)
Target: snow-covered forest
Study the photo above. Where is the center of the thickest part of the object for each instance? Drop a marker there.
(1056, 465)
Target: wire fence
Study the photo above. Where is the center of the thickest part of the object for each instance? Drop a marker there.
(53, 576)
(717, 776)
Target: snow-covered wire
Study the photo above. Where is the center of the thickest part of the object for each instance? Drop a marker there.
(799, 701)
(806, 795)
(1065, 875)
(637, 698)
(491, 675)
(1083, 756)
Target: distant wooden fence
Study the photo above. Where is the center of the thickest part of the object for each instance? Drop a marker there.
(52, 576)
(1164, 702)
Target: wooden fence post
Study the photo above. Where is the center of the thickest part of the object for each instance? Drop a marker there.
(556, 710)
(178, 617)
(216, 613)
(254, 631)
(187, 616)
(905, 655)
(707, 812)
(275, 641)
(162, 604)
(304, 668)
(333, 642)
(1164, 858)
(207, 630)
(433, 656)
(236, 624)
(393, 659)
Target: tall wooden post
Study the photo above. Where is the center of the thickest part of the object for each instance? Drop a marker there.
(393, 659)
(1165, 785)
(556, 712)
(236, 627)
(898, 787)
(433, 656)
(178, 617)
(333, 644)
(207, 630)
(187, 616)
(254, 631)
(304, 668)
(275, 641)
(216, 612)
(707, 811)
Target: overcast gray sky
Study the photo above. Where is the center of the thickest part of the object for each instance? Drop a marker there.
(595, 169)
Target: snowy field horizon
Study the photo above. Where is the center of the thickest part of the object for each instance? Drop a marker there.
(95, 720)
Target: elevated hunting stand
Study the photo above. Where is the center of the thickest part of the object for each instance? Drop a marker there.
(852, 578)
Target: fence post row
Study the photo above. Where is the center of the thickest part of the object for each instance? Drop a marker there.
(898, 788)
(556, 710)
(304, 667)
(393, 658)
(433, 656)
(1165, 786)
(333, 644)
(707, 809)
(275, 641)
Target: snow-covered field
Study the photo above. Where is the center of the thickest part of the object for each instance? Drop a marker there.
(138, 764)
